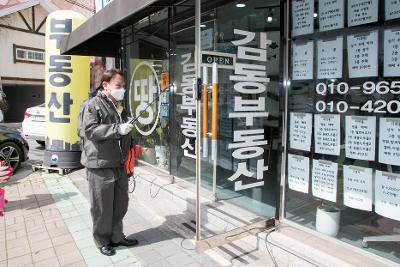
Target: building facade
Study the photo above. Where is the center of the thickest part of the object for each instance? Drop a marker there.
(299, 106)
(22, 44)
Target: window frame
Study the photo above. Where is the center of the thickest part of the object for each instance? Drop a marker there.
(34, 51)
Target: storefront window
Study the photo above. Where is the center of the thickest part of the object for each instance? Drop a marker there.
(343, 160)
(146, 46)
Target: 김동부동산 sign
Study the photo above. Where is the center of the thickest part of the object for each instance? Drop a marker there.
(188, 107)
(67, 86)
(250, 77)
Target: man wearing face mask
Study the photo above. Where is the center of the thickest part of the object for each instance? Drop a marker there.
(105, 141)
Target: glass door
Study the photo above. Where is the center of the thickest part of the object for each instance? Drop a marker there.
(240, 66)
(241, 73)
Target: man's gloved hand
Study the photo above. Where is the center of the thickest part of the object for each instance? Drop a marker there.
(125, 128)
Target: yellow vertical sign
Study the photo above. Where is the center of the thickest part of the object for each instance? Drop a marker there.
(67, 86)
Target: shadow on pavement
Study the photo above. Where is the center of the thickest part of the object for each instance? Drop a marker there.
(36, 201)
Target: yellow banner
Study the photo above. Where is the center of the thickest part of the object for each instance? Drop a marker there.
(67, 83)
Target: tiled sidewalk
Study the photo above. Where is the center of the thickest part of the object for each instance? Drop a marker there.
(159, 245)
(47, 223)
(74, 209)
(33, 232)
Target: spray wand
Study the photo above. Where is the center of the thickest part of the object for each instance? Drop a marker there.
(134, 120)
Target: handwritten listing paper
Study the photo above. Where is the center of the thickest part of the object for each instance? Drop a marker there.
(360, 137)
(331, 15)
(303, 54)
(389, 141)
(327, 134)
(392, 9)
(362, 12)
(298, 173)
(391, 58)
(363, 54)
(300, 130)
(387, 194)
(324, 179)
(357, 187)
(330, 58)
(303, 17)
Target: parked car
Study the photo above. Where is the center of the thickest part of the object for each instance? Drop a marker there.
(13, 147)
(33, 125)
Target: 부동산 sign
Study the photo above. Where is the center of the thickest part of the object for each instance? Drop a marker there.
(67, 82)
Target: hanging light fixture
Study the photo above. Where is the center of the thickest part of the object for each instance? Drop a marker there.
(240, 4)
(270, 15)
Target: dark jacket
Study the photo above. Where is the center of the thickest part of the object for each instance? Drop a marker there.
(102, 146)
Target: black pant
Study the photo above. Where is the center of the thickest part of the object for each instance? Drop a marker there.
(108, 188)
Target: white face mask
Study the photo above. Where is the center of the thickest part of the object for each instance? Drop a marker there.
(118, 93)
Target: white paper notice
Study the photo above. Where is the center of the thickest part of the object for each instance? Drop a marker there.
(357, 187)
(327, 134)
(330, 58)
(207, 40)
(392, 9)
(387, 194)
(303, 55)
(298, 173)
(360, 137)
(391, 59)
(303, 17)
(363, 54)
(300, 131)
(362, 12)
(324, 179)
(389, 141)
(331, 15)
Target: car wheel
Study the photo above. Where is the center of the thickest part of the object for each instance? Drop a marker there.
(42, 143)
(11, 154)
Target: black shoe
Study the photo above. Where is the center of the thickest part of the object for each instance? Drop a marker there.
(107, 250)
(126, 242)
